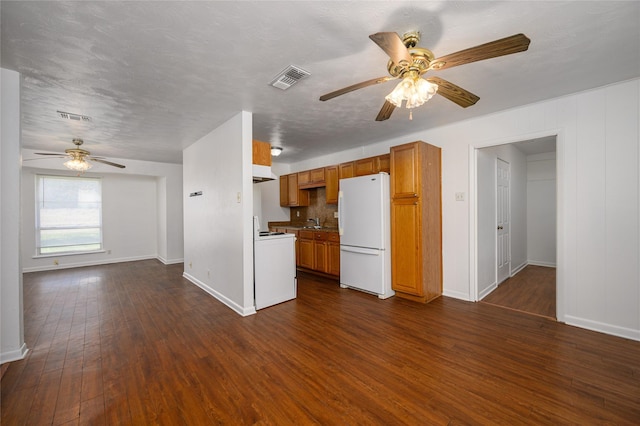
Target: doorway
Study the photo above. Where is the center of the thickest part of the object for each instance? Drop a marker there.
(516, 225)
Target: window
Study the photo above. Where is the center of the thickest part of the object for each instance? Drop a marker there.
(68, 214)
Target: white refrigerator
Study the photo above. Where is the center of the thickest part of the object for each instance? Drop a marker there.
(365, 234)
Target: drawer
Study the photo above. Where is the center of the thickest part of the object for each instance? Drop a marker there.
(333, 236)
(320, 236)
(307, 235)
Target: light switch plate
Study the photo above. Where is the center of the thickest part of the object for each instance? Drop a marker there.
(459, 196)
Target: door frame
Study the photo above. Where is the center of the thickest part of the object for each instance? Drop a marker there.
(473, 213)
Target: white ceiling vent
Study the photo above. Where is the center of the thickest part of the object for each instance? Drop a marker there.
(288, 77)
(74, 117)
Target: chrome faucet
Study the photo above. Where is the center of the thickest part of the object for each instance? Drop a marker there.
(316, 220)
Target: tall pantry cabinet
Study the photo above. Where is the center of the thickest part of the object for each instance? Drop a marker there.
(416, 221)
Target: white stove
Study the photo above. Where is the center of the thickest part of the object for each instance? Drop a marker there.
(274, 267)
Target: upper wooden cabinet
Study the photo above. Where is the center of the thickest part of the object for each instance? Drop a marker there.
(290, 193)
(372, 165)
(311, 178)
(331, 178)
(346, 170)
(406, 161)
(261, 153)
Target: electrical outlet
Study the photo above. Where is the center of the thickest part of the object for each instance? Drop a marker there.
(190, 265)
(239, 197)
(55, 262)
(208, 273)
(335, 215)
(297, 214)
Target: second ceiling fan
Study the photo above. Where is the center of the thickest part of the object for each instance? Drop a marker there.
(409, 63)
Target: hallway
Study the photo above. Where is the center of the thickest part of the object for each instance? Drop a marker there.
(532, 290)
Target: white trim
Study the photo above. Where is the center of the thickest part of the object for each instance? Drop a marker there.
(456, 295)
(484, 293)
(221, 297)
(170, 261)
(519, 268)
(66, 253)
(90, 263)
(627, 333)
(473, 225)
(545, 264)
(16, 355)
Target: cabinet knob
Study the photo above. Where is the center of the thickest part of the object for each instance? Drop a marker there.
(500, 227)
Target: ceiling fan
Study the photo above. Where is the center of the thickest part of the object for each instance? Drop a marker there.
(409, 63)
(77, 158)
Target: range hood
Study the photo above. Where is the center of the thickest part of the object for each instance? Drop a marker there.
(262, 173)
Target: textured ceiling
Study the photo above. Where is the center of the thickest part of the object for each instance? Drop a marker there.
(156, 76)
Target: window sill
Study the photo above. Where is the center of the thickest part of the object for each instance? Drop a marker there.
(76, 253)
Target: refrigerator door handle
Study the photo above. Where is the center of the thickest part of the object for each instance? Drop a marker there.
(361, 250)
(340, 216)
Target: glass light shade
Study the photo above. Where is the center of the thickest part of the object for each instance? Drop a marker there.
(276, 150)
(414, 90)
(77, 164)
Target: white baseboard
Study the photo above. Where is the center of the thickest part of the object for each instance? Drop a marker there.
(87, 263)
(627, 333)
(537, 263)
(169, 261)
(519, 268)
(456, 295)
(221, 297)
(15, 355)
(487, 290)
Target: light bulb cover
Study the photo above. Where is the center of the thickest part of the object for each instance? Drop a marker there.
(276, 150)
(412, 89)
(77, 164)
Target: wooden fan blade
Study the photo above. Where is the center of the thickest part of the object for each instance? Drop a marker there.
(393, 46)
(107, 162)
(454, 93)
(505, 46)
(385, 111)
(355, 87)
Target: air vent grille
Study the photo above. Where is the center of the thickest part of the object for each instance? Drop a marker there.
(74, 117)
(288, 77)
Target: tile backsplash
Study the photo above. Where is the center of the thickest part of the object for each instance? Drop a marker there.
(318, 207)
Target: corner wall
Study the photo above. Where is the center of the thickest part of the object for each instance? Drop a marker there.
(12, 344)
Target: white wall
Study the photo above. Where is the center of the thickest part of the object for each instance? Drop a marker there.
(541, 209)
(12, 345)
(598, 191)
(129, 221)
(218, 236)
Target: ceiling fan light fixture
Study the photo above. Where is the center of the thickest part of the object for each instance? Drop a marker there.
(275, 151)
(77, 164)
(412, 89)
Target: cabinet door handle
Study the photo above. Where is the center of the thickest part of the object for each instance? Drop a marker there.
(500, 227)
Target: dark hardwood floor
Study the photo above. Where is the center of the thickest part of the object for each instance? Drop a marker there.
(134, 343)
(532, 290)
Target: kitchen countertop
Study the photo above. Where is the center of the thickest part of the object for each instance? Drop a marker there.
(301, 227)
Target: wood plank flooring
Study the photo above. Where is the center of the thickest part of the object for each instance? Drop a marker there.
(532, 290)
(135, 343)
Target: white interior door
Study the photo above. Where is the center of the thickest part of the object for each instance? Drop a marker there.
(503, 220)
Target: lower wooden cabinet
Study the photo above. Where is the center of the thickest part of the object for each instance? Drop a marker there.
(319, 251)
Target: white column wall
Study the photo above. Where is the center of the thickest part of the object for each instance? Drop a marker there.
(598, 194)
(218, 227)
(12, 344)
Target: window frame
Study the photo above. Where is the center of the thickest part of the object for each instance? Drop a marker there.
(38, 228)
